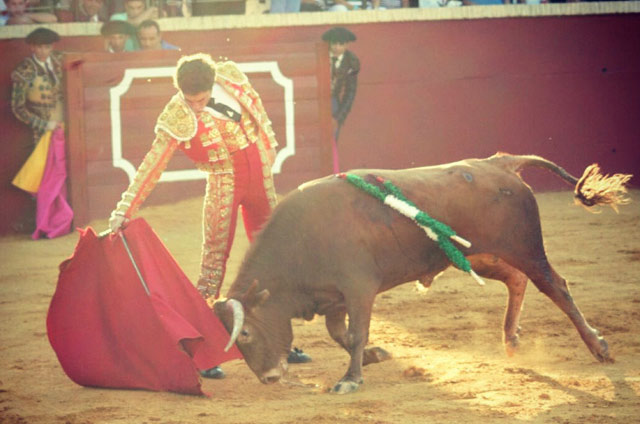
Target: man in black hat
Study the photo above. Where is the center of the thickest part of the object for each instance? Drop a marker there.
(116, 34)
(36, 98)
(345, 67)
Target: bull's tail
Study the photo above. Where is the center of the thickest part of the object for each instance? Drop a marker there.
(592, 189)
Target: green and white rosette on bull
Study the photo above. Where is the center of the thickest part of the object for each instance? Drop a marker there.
(437, 231)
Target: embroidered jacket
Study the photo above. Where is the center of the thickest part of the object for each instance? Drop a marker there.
(36, 99)
(209, 141)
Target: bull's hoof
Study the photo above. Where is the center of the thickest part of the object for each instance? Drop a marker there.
(601, 353)
(374, 355)
(344, 387)
(511, 345)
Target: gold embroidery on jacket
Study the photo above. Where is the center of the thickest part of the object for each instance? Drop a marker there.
(216, 226)
(147, 175)
(229, 71)
(35, 98)
(178, 120)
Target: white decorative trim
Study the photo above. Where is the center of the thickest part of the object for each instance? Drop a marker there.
(116, 92)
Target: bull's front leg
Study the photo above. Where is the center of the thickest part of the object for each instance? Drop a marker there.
(335, 323)
(359, 310)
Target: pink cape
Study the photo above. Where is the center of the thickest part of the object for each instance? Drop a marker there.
(53, 213)
(106, 330)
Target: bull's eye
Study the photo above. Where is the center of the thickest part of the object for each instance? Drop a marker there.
(244, 337)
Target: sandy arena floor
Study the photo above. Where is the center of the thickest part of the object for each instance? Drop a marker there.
(448, 365)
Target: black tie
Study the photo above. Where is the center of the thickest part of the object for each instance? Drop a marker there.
(52, 76)
(334, 60)
(224, 109)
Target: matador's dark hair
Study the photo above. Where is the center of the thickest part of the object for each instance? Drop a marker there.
(195, 73)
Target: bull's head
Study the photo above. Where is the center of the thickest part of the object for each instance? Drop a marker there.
(260, 331)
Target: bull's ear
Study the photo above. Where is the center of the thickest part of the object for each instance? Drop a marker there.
(251, 291)
(257, 299)
(251, 299)
(262, 297)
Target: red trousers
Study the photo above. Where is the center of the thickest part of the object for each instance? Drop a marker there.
(250, 186)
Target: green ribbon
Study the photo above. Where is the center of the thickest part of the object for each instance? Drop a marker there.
(443, 231)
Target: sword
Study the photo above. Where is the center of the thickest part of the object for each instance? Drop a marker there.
(133, 261)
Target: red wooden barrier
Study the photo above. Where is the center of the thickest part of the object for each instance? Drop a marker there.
(435, 86)
(96, 183)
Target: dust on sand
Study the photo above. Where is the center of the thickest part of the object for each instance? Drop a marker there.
(448, 362)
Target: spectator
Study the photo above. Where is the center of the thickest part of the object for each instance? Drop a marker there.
(389, 4)
(340, 6)
(150, 37)
(178, 8)
(285, 6)
(116, 34)
(16, 14)
(312, 6)
(36, 98)
(136, 11)
(3, 13)
(89, 11)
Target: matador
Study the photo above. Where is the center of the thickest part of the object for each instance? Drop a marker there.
(222, 126)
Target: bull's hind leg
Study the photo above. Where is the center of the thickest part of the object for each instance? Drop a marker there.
(490, 266)
(549, 282)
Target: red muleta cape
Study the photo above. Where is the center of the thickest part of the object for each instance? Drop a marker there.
(106, 330)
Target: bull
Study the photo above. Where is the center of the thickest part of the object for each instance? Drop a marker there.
(330, 248)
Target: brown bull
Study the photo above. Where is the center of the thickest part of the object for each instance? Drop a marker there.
(330, 248)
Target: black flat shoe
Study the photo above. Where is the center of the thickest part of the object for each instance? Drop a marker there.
(215, 372)
(297, 356)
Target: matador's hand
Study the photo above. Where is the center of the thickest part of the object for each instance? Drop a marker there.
(117, 222)
(52, 125)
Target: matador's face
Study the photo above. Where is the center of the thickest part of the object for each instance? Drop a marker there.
(337, 49)
(42, 51)
(197, 101)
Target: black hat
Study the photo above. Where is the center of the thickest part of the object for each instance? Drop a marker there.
(338, 35)
(117, 27)
(41, 36)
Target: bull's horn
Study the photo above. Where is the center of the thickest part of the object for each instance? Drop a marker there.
(238, 321)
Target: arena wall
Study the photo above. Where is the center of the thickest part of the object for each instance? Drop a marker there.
(561, 81)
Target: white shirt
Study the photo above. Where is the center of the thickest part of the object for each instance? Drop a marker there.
(47, 65)
(339, 61)
(222, 96)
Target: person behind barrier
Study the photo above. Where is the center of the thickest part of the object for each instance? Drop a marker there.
(36, 95)
(345, 67)
(89, 11)
(116, 34)
(150, 37)
(17, 13)
(136, 11)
